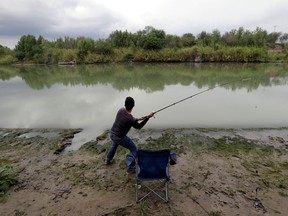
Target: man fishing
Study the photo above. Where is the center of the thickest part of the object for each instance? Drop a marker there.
(118, 134)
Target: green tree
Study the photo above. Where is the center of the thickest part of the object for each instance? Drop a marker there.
(28, 48)
(66, 43)
(153, 39)
(260, 37)
(38, 50)
(4, 51)
(172, 41)
(139, 37)
(120, 39)
(230, 38)
(84, 45)
(6, 55)
(188, 40)
(247, 39)
(103, 47)
(204, 39)
(216, 38)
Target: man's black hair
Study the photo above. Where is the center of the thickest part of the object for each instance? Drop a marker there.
(129, 103)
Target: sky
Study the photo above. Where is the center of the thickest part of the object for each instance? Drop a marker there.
(98, 18)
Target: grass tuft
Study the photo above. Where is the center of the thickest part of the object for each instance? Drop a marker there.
(7, 179)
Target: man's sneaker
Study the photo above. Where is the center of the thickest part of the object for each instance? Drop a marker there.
(173, 159)
(131, 170)
(107, 162)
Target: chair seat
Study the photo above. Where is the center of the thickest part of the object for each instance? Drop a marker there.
(152, 179)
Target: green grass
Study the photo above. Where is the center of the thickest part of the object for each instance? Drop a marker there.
(240, 146)
(7, 179)
(142, 209)
(20, 213)
(284, 165)
(214, 213)
(282, 184)
(283, 194)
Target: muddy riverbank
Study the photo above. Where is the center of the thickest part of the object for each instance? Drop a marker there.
(219, 172)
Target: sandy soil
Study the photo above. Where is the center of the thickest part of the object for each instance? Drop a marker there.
(219, 172)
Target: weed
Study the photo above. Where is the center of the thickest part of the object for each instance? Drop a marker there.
(7, 179)
(119, 210)
(250, 166)
(19, 213)
(227, 146)
(4, 162)
(214, 213)
(284, 165)
(242, 191)
(282, 184)
(283, 194)
(239, 145)
(142, 209)
(230, 191)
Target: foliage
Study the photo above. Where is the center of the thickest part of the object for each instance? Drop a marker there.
(142, 209)
(4, 51)
(84, 45)
(66, 43)
(6, 56)
(7, 179)
(282, 184)
(28, 48)
(120, 39)
(172, 41)
(7, 60)
(214, 213)
(238, 146)
(153, 40)
(188, 40)
(103, 48)
(153, 45)
(204, 39)
(19, 213)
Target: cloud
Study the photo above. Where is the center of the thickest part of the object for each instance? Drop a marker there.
(56, 18)
(97, 19)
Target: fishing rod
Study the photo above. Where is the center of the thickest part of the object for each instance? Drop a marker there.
(241, 80)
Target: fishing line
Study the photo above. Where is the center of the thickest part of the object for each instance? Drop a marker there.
(201, 92)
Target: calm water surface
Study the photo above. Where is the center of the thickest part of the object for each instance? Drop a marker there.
(88, 97)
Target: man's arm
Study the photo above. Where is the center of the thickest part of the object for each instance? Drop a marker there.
(143, 120)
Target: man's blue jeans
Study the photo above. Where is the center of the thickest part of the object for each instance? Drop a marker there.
(127, 143)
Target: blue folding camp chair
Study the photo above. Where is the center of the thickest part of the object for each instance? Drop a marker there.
(152, 174)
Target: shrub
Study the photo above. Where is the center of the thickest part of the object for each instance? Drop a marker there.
(7, 179)
(282, 184)
(7, 59)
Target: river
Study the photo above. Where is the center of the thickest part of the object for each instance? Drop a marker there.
(88, 96)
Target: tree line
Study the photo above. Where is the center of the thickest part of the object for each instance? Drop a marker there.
(151, 45)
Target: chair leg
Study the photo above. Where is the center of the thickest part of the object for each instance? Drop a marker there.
(166, 191)
(153, 190)
(137, 199)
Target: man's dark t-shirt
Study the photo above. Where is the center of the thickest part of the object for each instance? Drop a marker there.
(124, 121)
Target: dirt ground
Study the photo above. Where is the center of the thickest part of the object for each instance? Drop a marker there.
(219, 172)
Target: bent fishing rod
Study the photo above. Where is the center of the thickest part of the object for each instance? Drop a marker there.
(201, 92)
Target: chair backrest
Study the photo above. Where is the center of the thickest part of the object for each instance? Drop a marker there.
(153, 165)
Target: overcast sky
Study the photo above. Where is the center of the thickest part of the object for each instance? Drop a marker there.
(98, 18)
